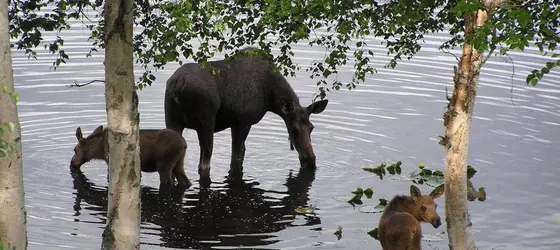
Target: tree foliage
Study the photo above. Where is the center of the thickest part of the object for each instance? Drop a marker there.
(175, 31)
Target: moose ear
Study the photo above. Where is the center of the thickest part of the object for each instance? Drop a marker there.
(318, 107)
(415, 193)
(98, 129)
(437, 192)
(79, 135)
(287, 106)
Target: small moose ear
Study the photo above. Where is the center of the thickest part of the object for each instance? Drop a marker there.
(79, 135)
(98, 129)
(415, 193)
(318, 107)
(437, 192)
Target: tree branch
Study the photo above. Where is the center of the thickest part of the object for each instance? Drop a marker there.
(76, 84)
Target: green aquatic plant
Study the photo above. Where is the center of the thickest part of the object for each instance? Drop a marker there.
(421, 175)
(382, 169)
(306, 210)
(338, 232)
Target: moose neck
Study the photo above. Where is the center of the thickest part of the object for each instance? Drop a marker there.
(401, 203)
(96, 145)
(280, 93)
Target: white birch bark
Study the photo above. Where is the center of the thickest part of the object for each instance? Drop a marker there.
(13, 234)
(123, 219)
(457, 121)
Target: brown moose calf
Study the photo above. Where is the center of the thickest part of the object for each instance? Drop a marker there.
(160, 150)
(399, 226)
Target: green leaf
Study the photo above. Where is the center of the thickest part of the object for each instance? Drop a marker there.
(500, 26)
(481, 194)
(374, 233)
(10, 126)
(382, 202)
(534, 81)
(338, 232)
(15, 96)
(470, 171)
(2, 153)
(305, 210)
(368, 193)
(523, 17)
(3, 144)
(358, 191)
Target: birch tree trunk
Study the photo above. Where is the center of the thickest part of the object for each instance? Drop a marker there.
(13, 234)
(457, 122)
(123, 219)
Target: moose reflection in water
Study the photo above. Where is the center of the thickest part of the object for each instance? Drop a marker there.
(237, 97)
(160, 150)
(399, 226)
(237, 213)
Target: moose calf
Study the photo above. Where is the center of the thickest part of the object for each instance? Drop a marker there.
(160, 150)
(399, 226)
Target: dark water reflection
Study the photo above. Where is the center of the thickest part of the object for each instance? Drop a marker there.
(238, 213)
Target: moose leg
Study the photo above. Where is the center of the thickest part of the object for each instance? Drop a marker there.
(165, 176)
(206, 142)
(238, 136)
(179, 172)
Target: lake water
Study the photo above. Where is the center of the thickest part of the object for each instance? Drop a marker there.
(395, 115)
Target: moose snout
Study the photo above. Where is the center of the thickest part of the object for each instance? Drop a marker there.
(436, 222)
(74, 163)
(308, 161)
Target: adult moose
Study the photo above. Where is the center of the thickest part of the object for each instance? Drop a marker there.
(236, 97)
(160, 150)
(399, 227)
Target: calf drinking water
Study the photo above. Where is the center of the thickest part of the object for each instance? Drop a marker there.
(160, 150)
(399, 226)
(237, 97)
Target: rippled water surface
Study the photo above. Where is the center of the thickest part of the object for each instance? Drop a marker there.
(395, 115)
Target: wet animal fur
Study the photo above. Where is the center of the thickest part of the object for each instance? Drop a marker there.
(160, 150)
(399, 226)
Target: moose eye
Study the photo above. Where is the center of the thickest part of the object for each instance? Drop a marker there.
(424, 208)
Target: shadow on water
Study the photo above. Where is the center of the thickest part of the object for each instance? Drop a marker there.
(236, 214)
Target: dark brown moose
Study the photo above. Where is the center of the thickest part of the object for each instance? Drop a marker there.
(236, 97)
(160, 150)
(399, 226)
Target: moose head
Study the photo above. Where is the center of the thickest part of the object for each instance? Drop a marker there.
(424, 207)
(300, 127)
(91, 147)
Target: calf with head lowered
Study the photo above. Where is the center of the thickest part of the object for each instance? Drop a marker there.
(399, 226)
(160, 150)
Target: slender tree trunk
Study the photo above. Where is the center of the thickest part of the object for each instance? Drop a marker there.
(123, 218)
(457, 122)
(13, 222)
